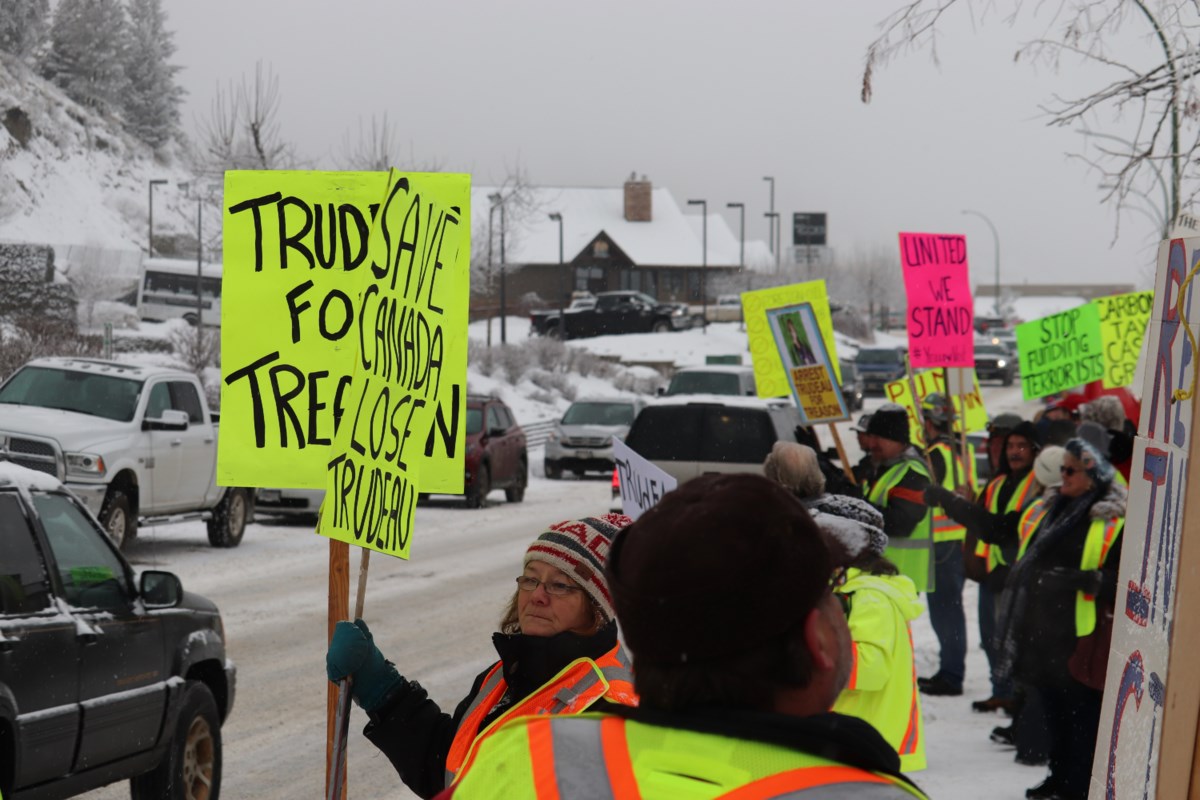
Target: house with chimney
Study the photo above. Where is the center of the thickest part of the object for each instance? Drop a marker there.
(635, 236)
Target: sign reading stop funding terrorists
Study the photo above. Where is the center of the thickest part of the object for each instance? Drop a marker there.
(1061, 351)
(941, 313)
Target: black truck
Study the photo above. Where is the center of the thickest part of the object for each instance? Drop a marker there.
(614, 312)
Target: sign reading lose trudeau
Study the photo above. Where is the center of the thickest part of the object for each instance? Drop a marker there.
(297, 307)
(1060, 351)
(967, 404)
(1123, 320)
(808, 365)
(769, 374)
(642, 483)
(941, 313)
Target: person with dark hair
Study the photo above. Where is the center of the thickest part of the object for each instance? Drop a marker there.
(558, 651)
(725, 594)
(1066, 568)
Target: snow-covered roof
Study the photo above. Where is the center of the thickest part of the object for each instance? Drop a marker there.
(669, 239)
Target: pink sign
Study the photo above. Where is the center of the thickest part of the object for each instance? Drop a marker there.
(941, 314)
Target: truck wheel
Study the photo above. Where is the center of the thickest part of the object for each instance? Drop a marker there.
(662, 326)
(554, 332)
(553, 471)
(117, 518)
(516, 493)
(228, 523)
(1008, 379)
(191, 767)
(477, 494)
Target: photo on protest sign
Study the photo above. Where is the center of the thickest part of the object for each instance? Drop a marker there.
(296, 266)
(1123, 320)
(641, 483)
(941, 312)
(770, 376)
(1060, 351)
(968, 405)
(810, 370)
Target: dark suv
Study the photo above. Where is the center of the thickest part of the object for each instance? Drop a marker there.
(879, 366)
(103, 677)
(495, 457)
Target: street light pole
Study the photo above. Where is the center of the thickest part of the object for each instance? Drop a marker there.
(774, 217)
(562, 316)
(199, 270)
(491, 214)
(771, 215)
(741, 207)
(996, 242)
(703, 261)
(498, 200)
(153, 183)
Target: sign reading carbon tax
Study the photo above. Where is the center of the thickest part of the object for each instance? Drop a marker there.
(941, 313)
(1060, 351)
(1123, 320)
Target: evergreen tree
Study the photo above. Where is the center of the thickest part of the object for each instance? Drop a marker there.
(23, 27)
(151, 98)
(88, 41)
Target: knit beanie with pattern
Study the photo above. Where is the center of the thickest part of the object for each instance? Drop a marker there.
(579, 547)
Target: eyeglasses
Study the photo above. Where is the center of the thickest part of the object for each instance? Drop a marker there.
(1068, 471)
(555, 588)
(1018, 445)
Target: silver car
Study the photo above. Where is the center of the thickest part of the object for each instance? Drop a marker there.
(582, 440)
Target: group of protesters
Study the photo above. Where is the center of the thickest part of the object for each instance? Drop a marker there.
(1041, 538)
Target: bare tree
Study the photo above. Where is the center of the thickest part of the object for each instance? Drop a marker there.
(242, 129)
(1158, 103)
(870, 279)
(93, 278)
(521, 203)
(377, 148)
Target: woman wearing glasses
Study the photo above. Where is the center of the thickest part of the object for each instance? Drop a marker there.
(1064, 579)
(558, 651)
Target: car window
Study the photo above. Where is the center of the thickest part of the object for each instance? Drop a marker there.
(670, 433)
(493, 420)
(990, 350)
(474, 421)
(871, 356)
(506, 419)
(184, 397)
(24, 588)
(160, 401)
(104, 396)
(599, 414)
(704, 383)
(92, 575)
(736, 435)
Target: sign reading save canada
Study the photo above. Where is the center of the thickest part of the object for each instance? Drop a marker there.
(941, 313)
(1061, 351)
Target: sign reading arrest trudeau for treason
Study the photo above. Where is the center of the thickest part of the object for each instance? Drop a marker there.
(941, 313)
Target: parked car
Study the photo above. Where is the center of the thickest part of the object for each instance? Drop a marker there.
(496, 456)
(685, 436)
(726, 308)
(292, 503)
(723, 379)
(100, 427)
(581, 441)
(993, 362)
(879, 366)
(852, 384)
(104, 675)
(613, 313)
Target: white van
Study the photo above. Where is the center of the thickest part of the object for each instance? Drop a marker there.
(167, 290)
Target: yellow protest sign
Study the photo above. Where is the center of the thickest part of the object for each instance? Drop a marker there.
(934, 380)
(295, 261)
(769, 374)
(1123, 320)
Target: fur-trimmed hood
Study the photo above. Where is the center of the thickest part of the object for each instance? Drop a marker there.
(1111, 504)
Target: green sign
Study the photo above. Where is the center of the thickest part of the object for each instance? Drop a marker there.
(1123, 319)
(1061, 351)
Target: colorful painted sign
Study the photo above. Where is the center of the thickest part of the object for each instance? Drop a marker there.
(934, 380)
(769, 374)
(941, 313)
(296, 264)
(642, 483)
(1060, 351)
(1123, 319)
(808, 366)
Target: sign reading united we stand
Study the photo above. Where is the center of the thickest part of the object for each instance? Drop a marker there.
(941, 312)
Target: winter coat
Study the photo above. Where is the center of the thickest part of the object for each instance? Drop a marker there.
(882, 689)
(1045, 630)
(416, 735)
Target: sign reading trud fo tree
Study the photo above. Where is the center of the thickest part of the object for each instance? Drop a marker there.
(1146, 746)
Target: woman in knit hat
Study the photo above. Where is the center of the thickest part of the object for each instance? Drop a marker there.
(1066, 569)
(558, 651)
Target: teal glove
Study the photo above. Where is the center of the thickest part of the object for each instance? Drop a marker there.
(353, 653)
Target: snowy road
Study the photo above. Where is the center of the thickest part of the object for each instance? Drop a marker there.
(433, 616)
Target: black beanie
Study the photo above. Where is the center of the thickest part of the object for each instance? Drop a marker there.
(890, 421)
(1027, 430)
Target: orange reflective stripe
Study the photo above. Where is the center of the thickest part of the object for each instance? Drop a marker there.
(1112, 529)
(469, 727)
(802, 778)
(616, 758)
(909, 743)
(541, 759)
(853, 683)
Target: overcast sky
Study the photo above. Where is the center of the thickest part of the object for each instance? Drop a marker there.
(705, 98)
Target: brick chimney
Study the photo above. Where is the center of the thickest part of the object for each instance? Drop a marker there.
(637, 199)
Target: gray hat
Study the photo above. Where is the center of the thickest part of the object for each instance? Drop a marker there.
(861, 425)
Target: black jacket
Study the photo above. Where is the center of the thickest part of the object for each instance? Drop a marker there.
(415, 734)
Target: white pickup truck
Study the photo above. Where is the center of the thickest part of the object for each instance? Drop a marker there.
(137, 444)
(727, 308)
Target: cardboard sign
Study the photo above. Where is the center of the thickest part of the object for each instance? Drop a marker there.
(934, 380)
(769, 374)
(1141, 751)
(1060, 352)
(1123, 319)
(941, 313)
(810, 370)
(642, 483)
(296, 261)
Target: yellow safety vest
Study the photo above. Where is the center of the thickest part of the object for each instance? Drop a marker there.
(600, 757)
(1021, 498)
(882, 689)
(913, 555)
(944, 528)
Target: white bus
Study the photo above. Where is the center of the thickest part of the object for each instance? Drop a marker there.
(167, 290)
